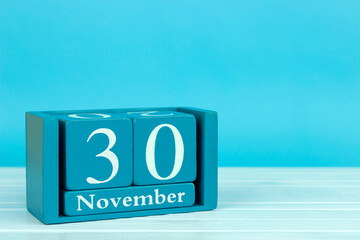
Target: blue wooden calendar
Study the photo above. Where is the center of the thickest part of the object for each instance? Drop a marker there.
(116, 163)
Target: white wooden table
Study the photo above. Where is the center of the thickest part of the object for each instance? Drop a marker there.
(254, 203)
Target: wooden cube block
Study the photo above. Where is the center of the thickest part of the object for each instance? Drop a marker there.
(95, 151)
(127, 199)
(164, 147)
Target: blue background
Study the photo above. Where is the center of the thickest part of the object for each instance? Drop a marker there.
(283, 75)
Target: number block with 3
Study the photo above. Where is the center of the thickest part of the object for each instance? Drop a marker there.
(95, 151)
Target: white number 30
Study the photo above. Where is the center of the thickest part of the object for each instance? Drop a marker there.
(150, 153)
(106, 154)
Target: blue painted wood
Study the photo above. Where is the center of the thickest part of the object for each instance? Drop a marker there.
(43, 158)
(134, 198)
(185, 124)
(42, 166)
(207, 156)
(79, 154)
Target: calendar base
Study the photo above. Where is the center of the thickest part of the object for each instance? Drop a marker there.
(42, 166)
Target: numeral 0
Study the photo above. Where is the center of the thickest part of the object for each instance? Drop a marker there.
(150, 152)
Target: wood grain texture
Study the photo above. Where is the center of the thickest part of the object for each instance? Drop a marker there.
(254, 203)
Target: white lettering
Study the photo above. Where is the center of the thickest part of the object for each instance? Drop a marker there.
(106, 203)
(170, 196)
(157, 195)
(126, 200)
(90, 205)
(136, 200)
(180, 194)
(150, 152)
(115, 203)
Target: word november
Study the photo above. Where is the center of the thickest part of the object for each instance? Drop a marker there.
(128, 199)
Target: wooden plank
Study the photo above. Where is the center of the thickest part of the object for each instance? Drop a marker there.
(254, 203)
